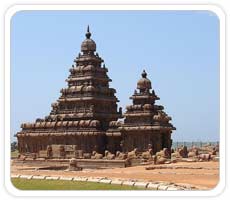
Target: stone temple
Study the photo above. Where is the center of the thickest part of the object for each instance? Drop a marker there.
(86, 114)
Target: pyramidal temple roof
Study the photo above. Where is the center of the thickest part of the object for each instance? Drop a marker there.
(87, 97)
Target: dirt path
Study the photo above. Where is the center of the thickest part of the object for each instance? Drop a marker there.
(202, 174)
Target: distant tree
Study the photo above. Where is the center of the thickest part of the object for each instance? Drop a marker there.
(14, 146)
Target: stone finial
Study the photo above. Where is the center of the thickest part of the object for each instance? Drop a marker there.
(120, 110)
(88, 34)
(144, 84)
(144, 74)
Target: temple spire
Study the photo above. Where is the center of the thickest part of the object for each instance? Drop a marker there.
(88, 34)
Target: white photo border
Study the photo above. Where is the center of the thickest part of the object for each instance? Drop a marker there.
(209, 7)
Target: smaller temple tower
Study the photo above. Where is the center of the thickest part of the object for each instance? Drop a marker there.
(145, 123)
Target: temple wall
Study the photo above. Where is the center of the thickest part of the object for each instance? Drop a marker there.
(87, 143)
(113, 144)
(142, 139)
(136, 139)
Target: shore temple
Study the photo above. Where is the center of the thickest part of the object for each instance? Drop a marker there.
(86, 115)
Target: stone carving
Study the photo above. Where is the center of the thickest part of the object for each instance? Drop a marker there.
(108, 155)
(87, 155)
(204, 157)
(120, 156)
(159, 159)
(165, 153)
(150, 149)
(40, 120)
(132, 154)
(162, 156)
(214, 151)
(192, 154)
(49, 151)
(183, 152)
(96, 155)
(73, 165)
(148, 154)
(79, 153)
(62, 151)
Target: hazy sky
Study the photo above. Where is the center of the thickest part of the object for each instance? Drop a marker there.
(178, 49)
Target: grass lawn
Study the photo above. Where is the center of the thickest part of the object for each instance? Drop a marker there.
(36, 184)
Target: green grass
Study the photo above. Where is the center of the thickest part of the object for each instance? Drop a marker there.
(36, 184)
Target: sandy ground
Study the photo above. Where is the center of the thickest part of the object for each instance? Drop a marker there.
(206, 177)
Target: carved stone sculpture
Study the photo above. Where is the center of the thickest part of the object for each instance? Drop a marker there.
(120, 156)
(132, 154)
(62, 151)
(49, 151)
(108, 155)
(183, 152)
(96, 155)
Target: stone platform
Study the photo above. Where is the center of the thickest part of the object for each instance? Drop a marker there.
(64, 163)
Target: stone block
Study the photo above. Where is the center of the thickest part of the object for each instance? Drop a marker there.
(80, 179)
(118, 182)
(153, 186)
(172, 188)
(128, 183)
(66, 178)
(94, 180)
(26, 176)
(38, 177)
(52, 178)
(15, 176)
(162, 187)
(141, 184)
(106, 181)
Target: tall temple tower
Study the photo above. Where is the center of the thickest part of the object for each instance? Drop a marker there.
(86, 116)
(145, 123)
(82, 113)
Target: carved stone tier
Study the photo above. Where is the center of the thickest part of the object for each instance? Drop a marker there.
(89, 98)
(103, 79)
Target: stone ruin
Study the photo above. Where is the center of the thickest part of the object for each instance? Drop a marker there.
(84, 121)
